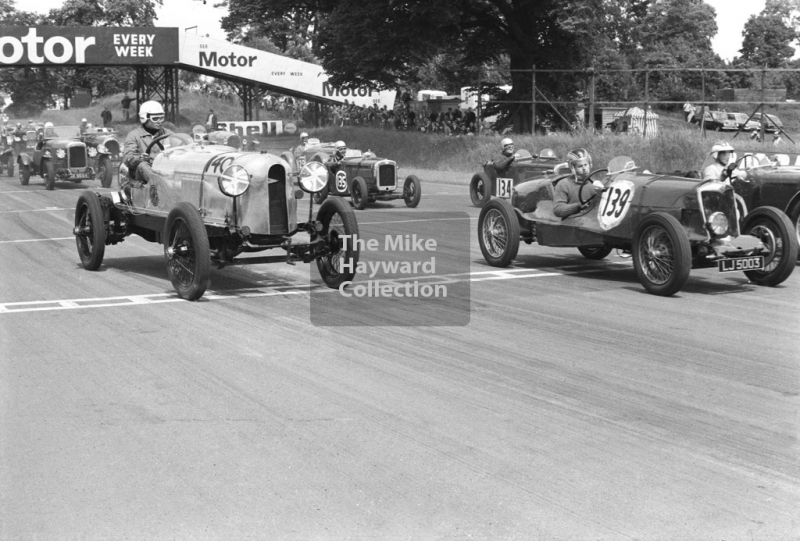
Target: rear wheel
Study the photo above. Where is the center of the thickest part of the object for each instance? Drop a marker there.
(90, 231)
(412, 191)
(480, 189)
(498, 232)
(775, 230)
(10, 164)
(337, 219)
(595, 252)
(662, 255)
(24, 173)
(49, 175)
(186, 252)
(358, 193)
(104, 172)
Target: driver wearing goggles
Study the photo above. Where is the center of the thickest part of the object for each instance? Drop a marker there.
(134, 157)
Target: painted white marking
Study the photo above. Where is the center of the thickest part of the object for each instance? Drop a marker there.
(48, 209)
(35, 240)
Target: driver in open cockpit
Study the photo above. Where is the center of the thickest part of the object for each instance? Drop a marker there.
(723, 168)
(151, 116)
(565, 196)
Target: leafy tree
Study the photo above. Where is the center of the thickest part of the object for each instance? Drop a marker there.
(768, 35)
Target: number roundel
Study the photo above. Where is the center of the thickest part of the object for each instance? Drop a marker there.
(341, 181)
(615, 203)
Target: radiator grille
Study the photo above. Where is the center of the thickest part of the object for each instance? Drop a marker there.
(278, 216)
(77, 156)
(386, 175)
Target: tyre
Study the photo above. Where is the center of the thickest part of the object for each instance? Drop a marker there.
(595, 252)
(498, 232)
(186, 251)
(359, 193)
(662, 256)
(338, 218)
(412, 191)
(794, 217)
(104, 172)
(49, 174)
(320, 196)
(775, 230)
(90, 231)
(10, 164)
(480, 189)
(24, 173)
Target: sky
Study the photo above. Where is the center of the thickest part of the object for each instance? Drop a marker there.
(203, 18)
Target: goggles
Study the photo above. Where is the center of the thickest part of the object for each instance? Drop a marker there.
(156, 118)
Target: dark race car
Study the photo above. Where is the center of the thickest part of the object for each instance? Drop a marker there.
(761, 179)
(59, 155)
(668, 224)
(488, 183)
(364, 177)
(104, 152)
(210, 204)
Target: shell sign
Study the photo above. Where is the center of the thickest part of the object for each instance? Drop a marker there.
(88, 45)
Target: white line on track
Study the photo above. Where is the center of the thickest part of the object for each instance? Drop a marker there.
(46, 209)
(36, 240)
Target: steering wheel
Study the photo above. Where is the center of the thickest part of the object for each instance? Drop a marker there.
(156, 141)
(586, 181)
(731, 167)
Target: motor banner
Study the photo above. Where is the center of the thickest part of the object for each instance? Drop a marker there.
(87, 45)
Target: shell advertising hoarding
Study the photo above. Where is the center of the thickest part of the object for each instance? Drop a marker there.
(303, 79)
(87, 45)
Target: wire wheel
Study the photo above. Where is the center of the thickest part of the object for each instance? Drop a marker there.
(657, 254)
(495, 233)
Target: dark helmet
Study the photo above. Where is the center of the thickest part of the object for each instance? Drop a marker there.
(576, 155)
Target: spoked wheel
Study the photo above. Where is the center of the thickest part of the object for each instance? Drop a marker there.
(775, 230)
(359, 193)
(186, 252)
(498, 232)
(595, 252)
(337, 219)
(412, 191)
(104, 172)
(662, 255)
(480, 189)
(90, 231)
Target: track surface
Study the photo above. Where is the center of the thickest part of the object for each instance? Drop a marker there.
(572, 406)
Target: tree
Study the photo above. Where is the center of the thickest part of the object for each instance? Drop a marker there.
(768, 35)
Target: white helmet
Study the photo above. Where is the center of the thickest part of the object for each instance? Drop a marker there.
(506, 141)
(340, 144)
(149, 108)
(720, 146)
(304, 134)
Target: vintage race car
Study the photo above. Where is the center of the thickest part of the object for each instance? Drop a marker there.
(364, 177)
(488, 183)
(59, 155)
(767, 180)
(104, 152)
(209, 204)
(13, 145)
(669, 225)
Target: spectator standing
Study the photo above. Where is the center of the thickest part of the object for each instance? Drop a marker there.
(211, 121)
(106, 116)
(126, 106)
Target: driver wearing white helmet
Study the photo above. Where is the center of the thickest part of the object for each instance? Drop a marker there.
(301, 148)
(335, 161)
(151, 116)
(724, 163)
(507, 156)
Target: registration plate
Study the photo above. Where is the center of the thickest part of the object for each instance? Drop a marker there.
(741, 264)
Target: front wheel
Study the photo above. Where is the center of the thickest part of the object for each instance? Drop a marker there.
(186, 252)
(498, 232)
(480, 189)
(775, 230)
(90, 231)
(339, 264)
(49, 175)
(104, 172)
(359, 193)
(662, 255)
(412, 191)
(24, 173)
(794, 216)
(595, 252)
(10, 164)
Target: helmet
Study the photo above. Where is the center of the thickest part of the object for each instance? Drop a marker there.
(547, 153)
(720, 146)
(505, 142)
(340, 145)
(48, 124)
(576, 155)
(83, 120)
(148, 109)
(89, 126)
(304, 134)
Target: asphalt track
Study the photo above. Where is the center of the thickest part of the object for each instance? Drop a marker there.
(570, 404)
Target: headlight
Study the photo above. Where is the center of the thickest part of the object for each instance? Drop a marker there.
(60, 153)
(234, 181)
(101, 148)
(313, 177)
(718, 223)
(92, 151)
(47, 154)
